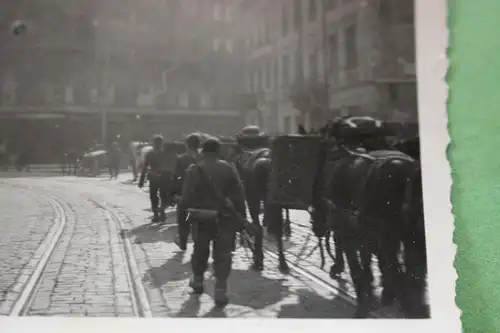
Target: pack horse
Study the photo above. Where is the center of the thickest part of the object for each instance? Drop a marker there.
(368, 195)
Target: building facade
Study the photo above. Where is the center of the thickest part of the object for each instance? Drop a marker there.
(310, 60)
(108, 70)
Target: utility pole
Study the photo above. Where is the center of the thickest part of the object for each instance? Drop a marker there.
(299, 18)
(326, 59)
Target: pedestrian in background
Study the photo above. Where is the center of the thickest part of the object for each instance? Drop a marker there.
(211, 189)
(191, 156)
(154, 167)
(114, 160)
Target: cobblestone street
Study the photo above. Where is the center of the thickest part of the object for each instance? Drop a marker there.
(97, 269)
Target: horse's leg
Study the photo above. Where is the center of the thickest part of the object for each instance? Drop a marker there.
(339, 265)
(253, 202)
(363, 306)
(283, 266)
(287, 225)
(389, 268)
(365, 251)
(277, 231)
(413, 300)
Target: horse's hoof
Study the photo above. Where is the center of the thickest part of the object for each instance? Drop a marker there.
(388, 298)
(258, 267)
(361, 312)
(284, 269)
(335, 271)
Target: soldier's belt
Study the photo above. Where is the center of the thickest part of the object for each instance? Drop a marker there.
(202, 214)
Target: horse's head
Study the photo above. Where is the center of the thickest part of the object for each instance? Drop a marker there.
(359, 132)
(410, 147)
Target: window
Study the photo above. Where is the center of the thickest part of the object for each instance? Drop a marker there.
(194, 100)
(330, 4)
(218, 43)
(256, 81)
(183, 100)
(312, 10)
(284, 20)
(285, 67)
(217, 12)
(229, 46)
(313, 65)
(334, 58)
(296, 14)
(267, 37)
(351, 47)
(268, 75)
(205, 100)
(393, 93)
(259, 81)
(249, 82)
(287, 124)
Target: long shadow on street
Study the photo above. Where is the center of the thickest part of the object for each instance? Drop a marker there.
(313, 306)
(153, 233)
(259, 294)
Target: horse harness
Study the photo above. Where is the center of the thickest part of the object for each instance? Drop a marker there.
(379, 159)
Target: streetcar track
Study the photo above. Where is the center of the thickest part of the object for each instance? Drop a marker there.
(140, 301)
(23, 303)
(45, 251)
(324, 283)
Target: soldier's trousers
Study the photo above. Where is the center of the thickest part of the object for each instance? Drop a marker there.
(204, 233)
(183, 226)
(157, 194)
(159, 191)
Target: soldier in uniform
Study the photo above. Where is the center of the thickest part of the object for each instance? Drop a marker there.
(156, 176)
(114, 160)
(210, 186)
(191, 156)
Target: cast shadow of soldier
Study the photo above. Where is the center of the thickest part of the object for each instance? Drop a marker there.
(242, 294)
(152, 232)
(310, 305)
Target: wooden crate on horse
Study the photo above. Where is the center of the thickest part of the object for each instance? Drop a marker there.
(293, 170)
(251, 142)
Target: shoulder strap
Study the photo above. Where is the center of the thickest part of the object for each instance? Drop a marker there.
(215, 189)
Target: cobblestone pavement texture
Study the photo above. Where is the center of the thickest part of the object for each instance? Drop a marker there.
(25, 221)
(87, 276)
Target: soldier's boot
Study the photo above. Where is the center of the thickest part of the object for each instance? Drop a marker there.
(196, 283)
(182, 235)
(181, 243)
(220, 294)
(162, 215)
(156, 215)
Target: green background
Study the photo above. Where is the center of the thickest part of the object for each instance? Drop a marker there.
(474, 154)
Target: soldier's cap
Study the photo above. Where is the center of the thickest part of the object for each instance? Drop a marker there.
(211, 145)
(158, 138)
(193, 140)
(251, 130)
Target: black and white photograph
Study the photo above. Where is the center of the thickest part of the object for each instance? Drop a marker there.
(264, 159)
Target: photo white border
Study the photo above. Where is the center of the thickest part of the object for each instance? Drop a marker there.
(432, 65)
